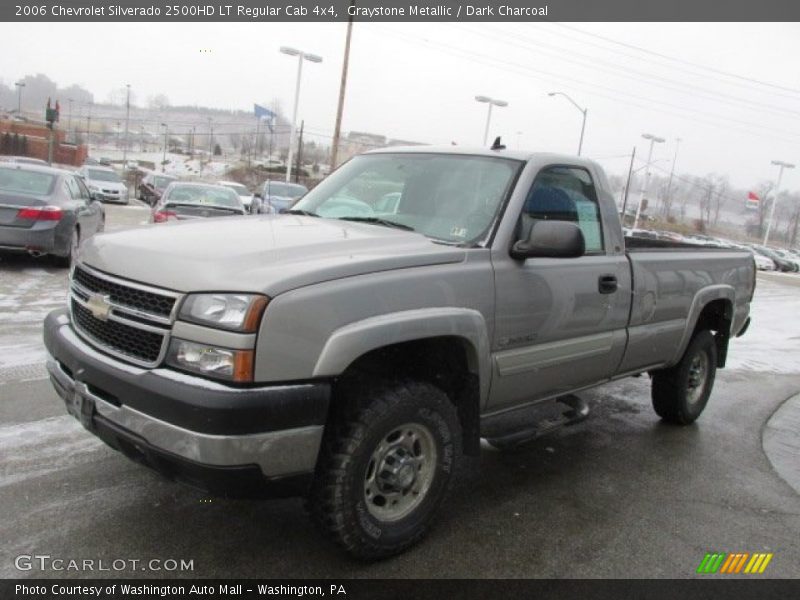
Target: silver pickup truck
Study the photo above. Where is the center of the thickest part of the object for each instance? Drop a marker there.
(355, 349)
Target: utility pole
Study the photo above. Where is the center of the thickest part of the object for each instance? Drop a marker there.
(628, 185)
(127, 121)
(782, 165)
(669, 182)
(299, 153)
(210, 138)
(69, 119)
(88, 123)
(342, 86)
(164, 159)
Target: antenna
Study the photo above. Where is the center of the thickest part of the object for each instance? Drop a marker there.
(498, 145)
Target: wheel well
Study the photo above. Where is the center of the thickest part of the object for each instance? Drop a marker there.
(448, 362)
(717, 317)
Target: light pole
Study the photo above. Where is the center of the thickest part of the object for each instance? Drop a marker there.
(164, 159)
(127, 121)
(653, 141)
(583, 111)
(20, 85)
(782, 165)
(491, 102)
(300, 57)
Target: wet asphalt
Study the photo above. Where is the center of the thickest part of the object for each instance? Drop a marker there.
(618, 495)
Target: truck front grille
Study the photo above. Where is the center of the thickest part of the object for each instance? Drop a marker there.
(125, 295)
(131, 342)
(127, 320)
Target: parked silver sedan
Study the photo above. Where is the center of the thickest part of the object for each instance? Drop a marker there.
(46, 211)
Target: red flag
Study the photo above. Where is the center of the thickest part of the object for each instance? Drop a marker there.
(753, 196)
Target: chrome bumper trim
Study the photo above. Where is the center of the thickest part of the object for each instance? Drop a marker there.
(277, 453)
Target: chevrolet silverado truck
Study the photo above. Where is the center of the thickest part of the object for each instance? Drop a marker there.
(355, 349)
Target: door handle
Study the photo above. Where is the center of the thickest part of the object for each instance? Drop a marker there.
(607, 284)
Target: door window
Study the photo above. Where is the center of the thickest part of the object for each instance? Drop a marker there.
(565, 194)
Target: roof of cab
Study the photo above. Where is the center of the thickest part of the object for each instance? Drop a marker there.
(523, 155)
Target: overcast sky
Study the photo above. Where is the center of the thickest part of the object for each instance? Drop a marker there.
(417, 81)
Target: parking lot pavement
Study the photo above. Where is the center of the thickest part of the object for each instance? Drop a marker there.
(619, 495)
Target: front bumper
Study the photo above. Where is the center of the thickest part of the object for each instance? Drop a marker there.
(227, 440)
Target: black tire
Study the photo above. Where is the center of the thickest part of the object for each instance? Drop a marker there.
(65, 262)
(356, 500)
(680, 393)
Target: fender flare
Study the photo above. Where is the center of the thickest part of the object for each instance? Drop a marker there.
(699, 302)
(351, 341)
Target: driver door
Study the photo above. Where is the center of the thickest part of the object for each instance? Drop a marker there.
(560, 322)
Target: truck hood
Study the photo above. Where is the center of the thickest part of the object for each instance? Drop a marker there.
(270, 254)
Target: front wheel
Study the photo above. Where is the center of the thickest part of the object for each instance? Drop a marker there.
(387, 464)
(680, 393)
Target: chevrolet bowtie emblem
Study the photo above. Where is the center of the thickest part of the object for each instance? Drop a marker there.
(99, 305)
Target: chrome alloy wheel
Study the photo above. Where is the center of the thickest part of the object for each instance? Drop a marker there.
(400, 472)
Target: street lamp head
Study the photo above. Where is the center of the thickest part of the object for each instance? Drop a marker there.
(653, 138)
(312, 58)
(499, 102)
(785, 165)
(289, 51)
(483, 98)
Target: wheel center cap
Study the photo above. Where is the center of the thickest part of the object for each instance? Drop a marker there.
(406, 476)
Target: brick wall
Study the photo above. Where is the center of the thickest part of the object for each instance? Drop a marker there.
(38, 141)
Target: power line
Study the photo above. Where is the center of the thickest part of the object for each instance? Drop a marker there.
(610, 92)
(679, 60)
(628, 73)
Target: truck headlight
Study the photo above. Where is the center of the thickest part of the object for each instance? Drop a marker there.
(219, 363)
(237, 312)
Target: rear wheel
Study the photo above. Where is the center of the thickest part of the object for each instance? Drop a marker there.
(387, 464)
(681, 393)
(72, 250)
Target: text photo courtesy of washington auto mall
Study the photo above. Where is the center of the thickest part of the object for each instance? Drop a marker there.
(378, 298)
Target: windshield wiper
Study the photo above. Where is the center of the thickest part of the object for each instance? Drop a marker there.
(299, 211)
(378, 221)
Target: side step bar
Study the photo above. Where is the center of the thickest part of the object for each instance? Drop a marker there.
(553, 415)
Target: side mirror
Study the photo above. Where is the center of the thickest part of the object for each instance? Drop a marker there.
(551, 239)
(258, 195)
(93, 197)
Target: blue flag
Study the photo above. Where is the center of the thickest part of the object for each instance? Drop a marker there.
(263, 113)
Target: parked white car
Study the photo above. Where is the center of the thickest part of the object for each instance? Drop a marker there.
(104, 183)
(244, 194)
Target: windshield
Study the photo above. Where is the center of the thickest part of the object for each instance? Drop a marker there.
(289, 190)
(202, 195)
(239, 189)
(448, 197)
(19, 181)
(98, 175)
(161, 182)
